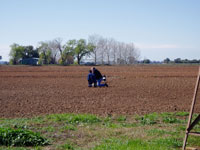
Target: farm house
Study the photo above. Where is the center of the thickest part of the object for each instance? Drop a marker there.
(29, 61)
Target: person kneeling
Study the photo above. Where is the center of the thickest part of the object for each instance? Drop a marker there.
(91, 79)
(99, 77)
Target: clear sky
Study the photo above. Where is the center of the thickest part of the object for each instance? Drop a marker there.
(159, 28)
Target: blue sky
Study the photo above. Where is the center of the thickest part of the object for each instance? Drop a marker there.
(158, 28)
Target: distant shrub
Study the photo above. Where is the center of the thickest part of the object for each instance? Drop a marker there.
(75, 63)
(169, 119)
(69, 127)
(65, 147)
(11, 62)
(74, 118)
(21, 137)
(121, 118)
(169, 142)
(182, 114)
(40, 61)
(148, 119)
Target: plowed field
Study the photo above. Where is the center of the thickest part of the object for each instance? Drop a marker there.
(27, 91)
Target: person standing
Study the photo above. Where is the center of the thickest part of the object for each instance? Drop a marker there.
(98, 77)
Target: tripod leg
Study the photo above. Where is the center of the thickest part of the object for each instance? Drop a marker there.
(185, 141)
(191, 110)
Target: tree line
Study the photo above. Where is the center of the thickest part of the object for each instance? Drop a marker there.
(168, 61)
(97, 48)
(181, 61)
(52, 52)
(110, 51)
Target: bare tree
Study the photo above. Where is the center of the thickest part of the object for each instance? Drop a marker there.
(125, 53)
(102, 47)
(44, 52)
(120, 53)
(95, 40)
(110, 50)
(133, 54)
(55, 47)
(114, 49)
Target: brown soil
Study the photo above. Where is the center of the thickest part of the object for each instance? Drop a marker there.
(27, 91)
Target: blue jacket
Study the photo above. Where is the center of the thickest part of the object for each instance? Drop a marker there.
(91, 77)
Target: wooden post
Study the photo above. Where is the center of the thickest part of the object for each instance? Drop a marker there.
(191, 125)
